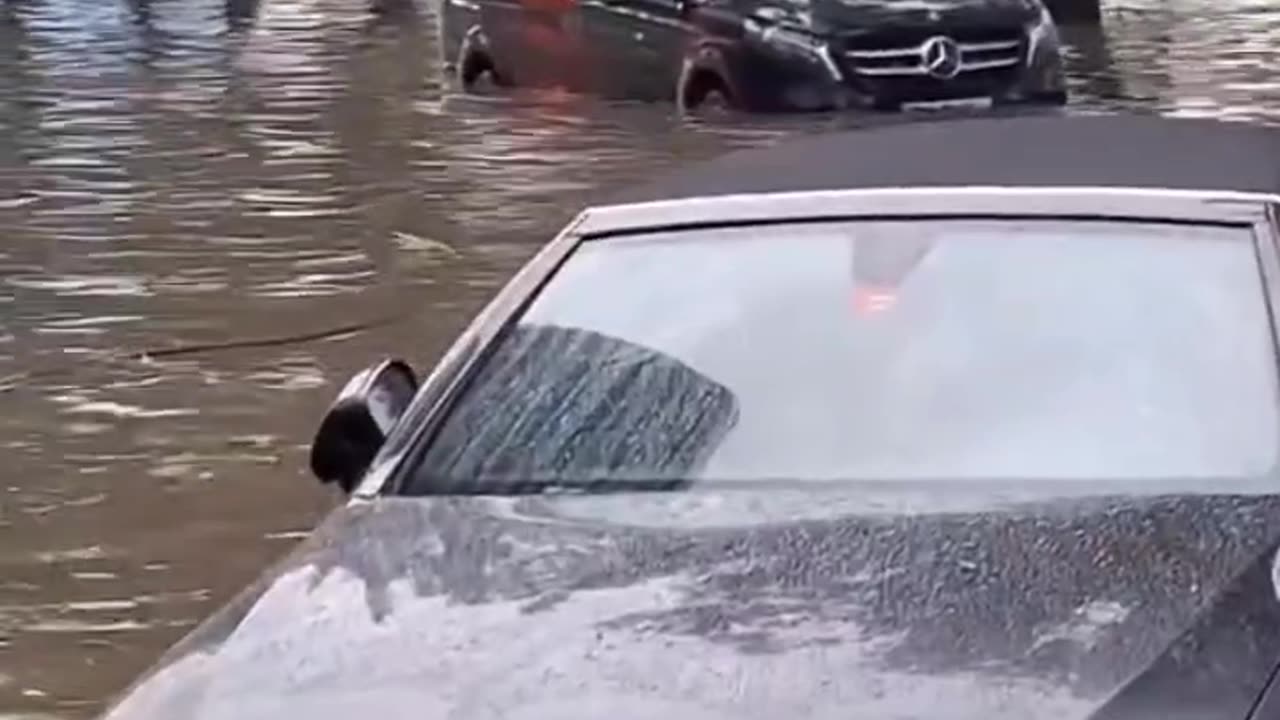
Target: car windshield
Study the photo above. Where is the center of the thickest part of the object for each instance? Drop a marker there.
(891, 350)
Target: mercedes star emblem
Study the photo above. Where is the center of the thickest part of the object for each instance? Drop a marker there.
(941, 57)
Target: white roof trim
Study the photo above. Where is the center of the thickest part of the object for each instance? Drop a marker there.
(1100, 200)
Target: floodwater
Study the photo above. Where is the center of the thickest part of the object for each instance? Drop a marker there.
(187, 174)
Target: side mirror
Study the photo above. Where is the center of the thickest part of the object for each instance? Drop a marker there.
(359, 421)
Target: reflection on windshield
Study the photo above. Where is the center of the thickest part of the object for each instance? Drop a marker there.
(572, 408)
(949, 350)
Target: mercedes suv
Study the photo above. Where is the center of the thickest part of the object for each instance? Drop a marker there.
(763, 54)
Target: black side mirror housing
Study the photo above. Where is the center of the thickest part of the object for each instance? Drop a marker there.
(359, 421)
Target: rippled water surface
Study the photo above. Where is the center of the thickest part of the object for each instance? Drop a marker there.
(181, 173)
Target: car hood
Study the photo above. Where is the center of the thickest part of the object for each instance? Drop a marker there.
(885, 17)
(746, 605)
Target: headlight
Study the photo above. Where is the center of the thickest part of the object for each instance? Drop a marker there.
(786, 32)
(782, 29)
(1042, 33)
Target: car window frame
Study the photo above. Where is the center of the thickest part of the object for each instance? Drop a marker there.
(393, 466)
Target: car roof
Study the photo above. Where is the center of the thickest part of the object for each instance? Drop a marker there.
(1022, 150)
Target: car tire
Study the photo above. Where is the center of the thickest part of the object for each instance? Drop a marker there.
(704, 94)
(473, 65)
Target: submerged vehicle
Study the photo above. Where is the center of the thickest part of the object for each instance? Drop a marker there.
(764, 54)
(984, 426)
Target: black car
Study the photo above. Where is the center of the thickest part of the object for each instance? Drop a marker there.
(764, 54)
(984, 427)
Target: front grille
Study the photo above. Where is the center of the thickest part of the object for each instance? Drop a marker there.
(913, 35)
(900, 53)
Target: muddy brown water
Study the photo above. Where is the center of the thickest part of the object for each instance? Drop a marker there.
(172, 174)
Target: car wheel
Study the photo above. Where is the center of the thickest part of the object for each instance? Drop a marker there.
(475, 65)
(702, 94)
(715, 102)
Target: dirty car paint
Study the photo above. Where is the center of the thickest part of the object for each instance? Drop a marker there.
(483, 608)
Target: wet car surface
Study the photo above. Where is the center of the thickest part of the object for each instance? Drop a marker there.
(644, 501)
(746, 605)
(167, 182)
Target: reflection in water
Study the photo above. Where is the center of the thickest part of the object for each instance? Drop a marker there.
(1091, 69)
(141, 11)
(176, 173)
(241, 13)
